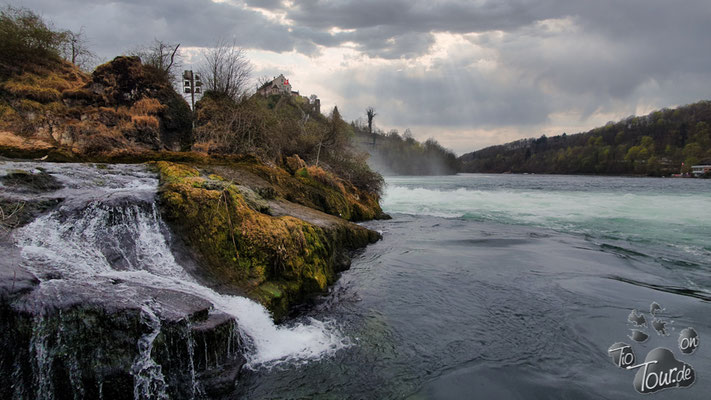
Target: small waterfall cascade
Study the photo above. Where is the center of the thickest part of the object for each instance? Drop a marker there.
(107, 236)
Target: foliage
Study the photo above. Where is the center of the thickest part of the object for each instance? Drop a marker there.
(280, 126)
(656, 144)
(26, 38)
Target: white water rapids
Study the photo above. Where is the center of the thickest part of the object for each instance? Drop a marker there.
(109, 228)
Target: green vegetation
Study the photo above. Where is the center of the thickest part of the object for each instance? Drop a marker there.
(26, 38)
(655, 145)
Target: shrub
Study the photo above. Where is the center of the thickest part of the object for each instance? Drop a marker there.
(26, 38)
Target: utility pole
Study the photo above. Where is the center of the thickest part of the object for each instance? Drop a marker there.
(192, 84)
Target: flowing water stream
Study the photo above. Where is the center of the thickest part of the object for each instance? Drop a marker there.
(108, 229)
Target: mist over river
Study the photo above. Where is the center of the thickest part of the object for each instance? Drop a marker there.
(512, 286)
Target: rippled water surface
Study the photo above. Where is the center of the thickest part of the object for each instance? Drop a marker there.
(512, 286)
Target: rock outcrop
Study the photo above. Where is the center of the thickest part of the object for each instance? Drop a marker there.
(270, 249)
(123, 105)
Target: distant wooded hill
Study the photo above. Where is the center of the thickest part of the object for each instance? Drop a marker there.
(655, 145)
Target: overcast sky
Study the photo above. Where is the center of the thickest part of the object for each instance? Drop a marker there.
(470, 73)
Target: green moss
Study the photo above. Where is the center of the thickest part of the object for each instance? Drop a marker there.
(302, 173)
(277, 260)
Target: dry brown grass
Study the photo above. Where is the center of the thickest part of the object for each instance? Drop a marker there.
(9, 139)
(33, 91)
(146, 106)
(144, 122)
(43, 86)
(202, 147)
(94, 137)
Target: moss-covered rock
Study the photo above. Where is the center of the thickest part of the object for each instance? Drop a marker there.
(309, 186)
(278, 260)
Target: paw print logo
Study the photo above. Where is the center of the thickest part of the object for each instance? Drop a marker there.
(639, 321)
(660, 369)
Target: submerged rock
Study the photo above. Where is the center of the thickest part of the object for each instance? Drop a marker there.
(36, 181)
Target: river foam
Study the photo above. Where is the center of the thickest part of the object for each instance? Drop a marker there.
(644, 211)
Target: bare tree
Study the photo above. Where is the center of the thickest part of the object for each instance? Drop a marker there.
(162, 56)
(370, 113)
(75, 49)
(226, 69)
(263, 80)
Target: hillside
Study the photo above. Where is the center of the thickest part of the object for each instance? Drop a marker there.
(120, 107)
(656, 145)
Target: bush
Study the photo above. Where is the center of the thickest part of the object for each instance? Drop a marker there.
(357, 171)
(26, 38)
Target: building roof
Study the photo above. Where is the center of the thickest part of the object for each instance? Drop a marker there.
(267, 84)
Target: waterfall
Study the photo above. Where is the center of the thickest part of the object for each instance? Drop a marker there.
(109, 230)
(149, 382)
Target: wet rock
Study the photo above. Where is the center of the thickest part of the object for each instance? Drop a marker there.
(36, 181)
(64, 340)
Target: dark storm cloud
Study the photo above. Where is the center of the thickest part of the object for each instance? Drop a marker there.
(449, 96)
(115, 26)
(612, 52)
(461, 16)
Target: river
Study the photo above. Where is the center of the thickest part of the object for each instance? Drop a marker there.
(512, 286)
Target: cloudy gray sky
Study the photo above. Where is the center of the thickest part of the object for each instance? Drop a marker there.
(470, 73)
